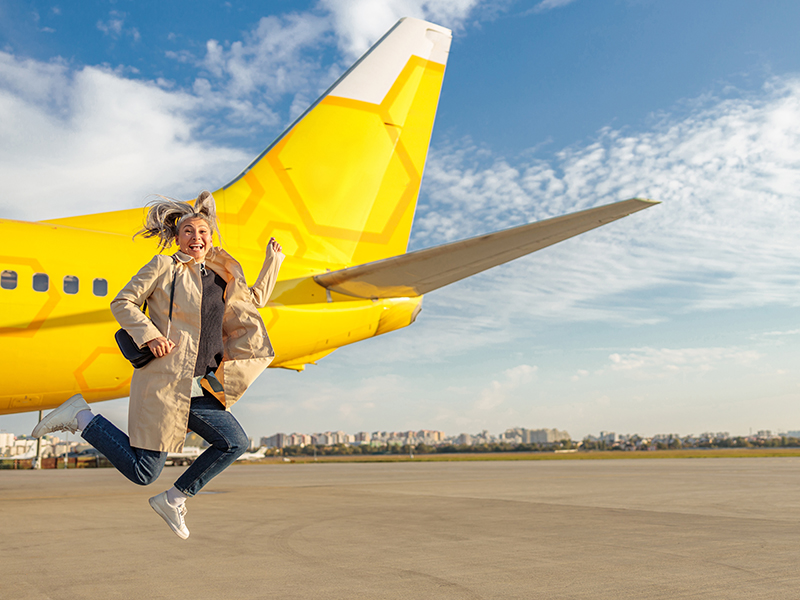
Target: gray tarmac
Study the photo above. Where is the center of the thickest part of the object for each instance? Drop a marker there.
(644, 529)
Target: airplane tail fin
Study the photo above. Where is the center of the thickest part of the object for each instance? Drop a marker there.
(423, 271)
(340, 185)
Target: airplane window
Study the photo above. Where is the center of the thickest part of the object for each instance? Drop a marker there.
(100, 287)
(8, 280)
(41, 282)
(71, 284)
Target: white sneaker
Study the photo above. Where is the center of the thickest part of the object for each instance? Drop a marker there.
(63, 418)
(173, 516)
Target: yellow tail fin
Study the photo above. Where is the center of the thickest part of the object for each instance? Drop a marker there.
(341, 184)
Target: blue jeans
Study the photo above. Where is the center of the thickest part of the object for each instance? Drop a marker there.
(207, 418)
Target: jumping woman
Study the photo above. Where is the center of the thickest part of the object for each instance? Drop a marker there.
(205, 356)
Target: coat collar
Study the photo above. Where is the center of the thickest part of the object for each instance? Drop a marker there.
(183, 258)
(217, 260)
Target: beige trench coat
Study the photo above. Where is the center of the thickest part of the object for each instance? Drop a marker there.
(158, 412)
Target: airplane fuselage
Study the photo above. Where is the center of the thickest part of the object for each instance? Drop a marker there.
(56, 325)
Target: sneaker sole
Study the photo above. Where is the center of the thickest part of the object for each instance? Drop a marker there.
(161, 514)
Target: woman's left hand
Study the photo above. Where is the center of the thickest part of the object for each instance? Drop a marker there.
(274, 245)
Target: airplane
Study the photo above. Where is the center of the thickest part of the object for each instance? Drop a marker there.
(255, 455)
(185, 457)
(338, 188)
(30, 453)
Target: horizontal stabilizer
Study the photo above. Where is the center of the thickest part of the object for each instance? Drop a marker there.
(423, 271)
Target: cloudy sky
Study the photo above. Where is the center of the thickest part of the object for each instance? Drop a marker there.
(679, 319)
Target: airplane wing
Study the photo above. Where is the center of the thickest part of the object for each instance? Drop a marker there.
(423, 271)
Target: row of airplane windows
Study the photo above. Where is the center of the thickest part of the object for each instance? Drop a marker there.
(41, 283)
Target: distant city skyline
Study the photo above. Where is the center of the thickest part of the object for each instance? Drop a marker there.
(431, 435)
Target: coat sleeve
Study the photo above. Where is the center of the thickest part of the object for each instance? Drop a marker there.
(265, 283)
(127, 306)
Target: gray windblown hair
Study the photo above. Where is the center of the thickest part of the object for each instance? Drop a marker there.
(166, 215)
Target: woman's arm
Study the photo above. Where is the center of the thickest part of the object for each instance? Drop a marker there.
(127, 305)
(262, 288)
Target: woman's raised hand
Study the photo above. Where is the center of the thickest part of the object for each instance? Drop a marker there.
(273, 243)
(160, 346)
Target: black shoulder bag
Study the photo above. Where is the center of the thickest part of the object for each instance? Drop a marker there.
(139, 357)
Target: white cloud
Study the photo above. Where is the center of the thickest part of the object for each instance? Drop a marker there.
(498, 391)
(273, 60)
(663, 361)
(315, 396)
(551, 4)
(280, 59)
(360, 23)
(115, 28)
(112, 27)
(778, 333)
(579, 374)
(728, 173)
(97, 135)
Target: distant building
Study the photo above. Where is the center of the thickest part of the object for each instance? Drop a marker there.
(609, 437)
(275, 441)
(21, 445)
(299, 439)
(547, 436)
(430, 437)
(322, 439)
(6, 440)
(426, 436)
(512, 436)
(520, 435)
(340, 437)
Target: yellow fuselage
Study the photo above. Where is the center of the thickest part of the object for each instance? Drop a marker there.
(57, 343)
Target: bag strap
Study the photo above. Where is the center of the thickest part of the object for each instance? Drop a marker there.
(172, 296)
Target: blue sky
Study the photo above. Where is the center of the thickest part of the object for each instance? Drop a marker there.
(679, 319)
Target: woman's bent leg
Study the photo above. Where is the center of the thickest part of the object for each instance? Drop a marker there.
(209, 419)
(138, 465)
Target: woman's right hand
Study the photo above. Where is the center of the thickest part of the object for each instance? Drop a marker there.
(274, 246)
(160, 346)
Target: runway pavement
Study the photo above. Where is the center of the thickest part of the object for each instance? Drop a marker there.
(644, 529)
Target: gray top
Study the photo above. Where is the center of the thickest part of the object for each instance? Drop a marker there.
(210, 347)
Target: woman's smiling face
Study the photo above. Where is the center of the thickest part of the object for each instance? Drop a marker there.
(194, 238)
